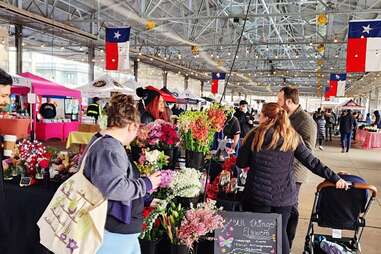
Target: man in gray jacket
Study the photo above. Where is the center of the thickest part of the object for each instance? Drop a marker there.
(304, 124)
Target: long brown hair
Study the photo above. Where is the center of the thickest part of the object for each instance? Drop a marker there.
(153, 109)
(284, 134)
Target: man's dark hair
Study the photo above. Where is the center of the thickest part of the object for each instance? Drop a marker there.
(5, 78)
(291, 93)
(243, 102)
(95, 99)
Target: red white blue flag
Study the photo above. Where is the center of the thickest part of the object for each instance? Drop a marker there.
(337, 84)
(117, 48)
(216, 78)
(364, 46)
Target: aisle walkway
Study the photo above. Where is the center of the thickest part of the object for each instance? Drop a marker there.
(365, 163)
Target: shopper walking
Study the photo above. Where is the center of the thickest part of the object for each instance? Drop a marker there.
(269, 151)
(306, 127)
(109, 169)
(320, 121)
(355, 124)
(329, 125)
(346, 128)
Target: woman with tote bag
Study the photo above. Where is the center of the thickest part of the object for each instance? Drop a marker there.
(107, 167)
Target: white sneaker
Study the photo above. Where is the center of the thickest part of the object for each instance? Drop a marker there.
(321, 148)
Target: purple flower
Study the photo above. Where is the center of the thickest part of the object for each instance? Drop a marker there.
(72, 245)
(166, 177)
(63, 237)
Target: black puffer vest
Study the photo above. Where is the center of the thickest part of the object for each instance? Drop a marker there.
(270, 180)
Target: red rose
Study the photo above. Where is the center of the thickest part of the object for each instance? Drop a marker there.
(43, 163)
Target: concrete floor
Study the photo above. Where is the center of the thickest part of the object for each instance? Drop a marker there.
(364, 163)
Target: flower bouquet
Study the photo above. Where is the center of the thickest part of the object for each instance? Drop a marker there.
(151, 161)
(35, 158)
(186, 183)
(162, 134)
(217, 117)
(199, 222)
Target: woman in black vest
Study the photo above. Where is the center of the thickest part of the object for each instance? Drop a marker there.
(269, 151)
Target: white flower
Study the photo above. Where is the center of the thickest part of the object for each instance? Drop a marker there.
(186, 183)
(152, 156)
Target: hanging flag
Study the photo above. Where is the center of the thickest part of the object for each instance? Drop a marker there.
(216, 77)
(364, 46)
(337, 84)
(117, 48)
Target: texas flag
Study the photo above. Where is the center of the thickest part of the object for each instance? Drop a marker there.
(216, 77)
(117, 48)
(337, 84)
(364, 46)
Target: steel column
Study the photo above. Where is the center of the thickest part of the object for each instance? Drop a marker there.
(136, 69)
(19, 48)
(91, 62)
(165, 79)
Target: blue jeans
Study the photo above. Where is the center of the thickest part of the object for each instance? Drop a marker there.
(346, 139)
(119, 243)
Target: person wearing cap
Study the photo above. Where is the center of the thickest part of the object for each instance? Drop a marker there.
(244, 118)
(152, 106)
(5, 91)
(94, 109)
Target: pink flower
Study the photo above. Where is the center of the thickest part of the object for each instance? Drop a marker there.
(199, 222)
(166, 177)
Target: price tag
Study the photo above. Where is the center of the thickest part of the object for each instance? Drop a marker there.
(336, 233)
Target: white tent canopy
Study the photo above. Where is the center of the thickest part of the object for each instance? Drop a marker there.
(186, 97)
(103, 87)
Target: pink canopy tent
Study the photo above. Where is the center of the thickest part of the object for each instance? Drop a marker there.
(43, 87)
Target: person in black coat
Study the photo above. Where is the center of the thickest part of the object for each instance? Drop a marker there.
(269, 150)
(244, 118)
(346, 129)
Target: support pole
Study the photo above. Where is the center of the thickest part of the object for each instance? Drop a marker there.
(186, 82)
(19, 48)
(91, 62)
(136, 69)
(202, 87)
(165, 78)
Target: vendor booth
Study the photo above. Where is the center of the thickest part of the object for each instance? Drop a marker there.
(16, 124)
(352, 105)
(60, 126)
(104, 86)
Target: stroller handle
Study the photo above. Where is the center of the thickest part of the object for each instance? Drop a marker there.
(361, 186)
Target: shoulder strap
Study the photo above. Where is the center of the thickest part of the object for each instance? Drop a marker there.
(83, 162)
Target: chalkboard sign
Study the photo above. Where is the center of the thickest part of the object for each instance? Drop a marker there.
(245, 233)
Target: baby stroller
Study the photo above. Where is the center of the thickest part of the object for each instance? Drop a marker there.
(342, 210)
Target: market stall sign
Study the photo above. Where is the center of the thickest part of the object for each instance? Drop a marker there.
(246, 232)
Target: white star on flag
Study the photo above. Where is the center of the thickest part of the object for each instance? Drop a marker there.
(338, 76)
(367, 29)
(117, 35)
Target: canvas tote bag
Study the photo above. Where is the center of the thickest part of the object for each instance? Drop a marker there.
(73, 222)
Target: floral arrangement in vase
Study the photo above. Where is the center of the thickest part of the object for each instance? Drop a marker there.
(35, 157)
(217, 116)
(151, 161)
(198, 222)
(158, 134)
(196, 131)
(186, 183)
